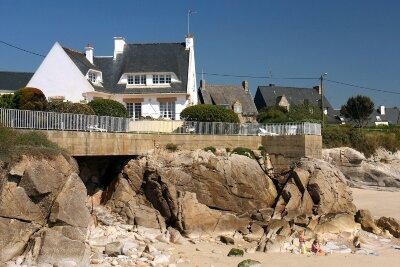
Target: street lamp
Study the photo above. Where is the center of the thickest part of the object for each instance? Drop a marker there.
(321, 79)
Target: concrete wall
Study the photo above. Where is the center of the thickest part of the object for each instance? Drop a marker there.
(283, 150)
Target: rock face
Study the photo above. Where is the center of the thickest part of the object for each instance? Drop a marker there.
(364, 217)
(50, 216)
(390, 224)
(383, 169)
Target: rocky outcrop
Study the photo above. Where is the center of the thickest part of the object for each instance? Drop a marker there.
(43, 212)
(389, 224)
(382, 169)
(364, 217)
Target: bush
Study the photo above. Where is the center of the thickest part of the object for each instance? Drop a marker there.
(243, 151)
(209, 113)
(68, 107)
(171, 147)
(6, 101)
(228, 149)
(108, 107)
(210, 148)
(272, 115)
(29, 98)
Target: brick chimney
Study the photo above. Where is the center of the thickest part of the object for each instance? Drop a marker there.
(89, 53)
(245, 85)
(202, 84)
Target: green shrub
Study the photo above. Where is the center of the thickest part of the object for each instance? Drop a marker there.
(69, 107)
(228, 149)
(108, 107)
(210, 148)
(171, 147)
(209, 113)
(243, 151)
(261, 148)
(236, 252)
(6, 101)
(29, 98)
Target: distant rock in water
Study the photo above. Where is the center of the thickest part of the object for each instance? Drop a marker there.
(382, 169)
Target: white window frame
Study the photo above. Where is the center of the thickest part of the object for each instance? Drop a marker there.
(162, 78)
(168, 110)
(136, 79)
(134, 110)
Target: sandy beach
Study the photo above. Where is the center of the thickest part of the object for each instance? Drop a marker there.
(380, 203)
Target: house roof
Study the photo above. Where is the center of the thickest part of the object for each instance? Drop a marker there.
(391, 116)
(228, 95)
(295, 96)
(11, 81)
(138, 58)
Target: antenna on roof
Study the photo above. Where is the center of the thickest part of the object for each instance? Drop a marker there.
(190, 12)
(202, 74)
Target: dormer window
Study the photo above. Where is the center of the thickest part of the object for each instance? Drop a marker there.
(161, 78)
(137, 79)
(237, 107)
(94, 76)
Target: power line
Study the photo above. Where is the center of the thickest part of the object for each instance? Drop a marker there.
(362, 87)
(257, 77)
(19, 48)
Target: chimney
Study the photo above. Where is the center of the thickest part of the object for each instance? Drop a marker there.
(189, 41)
(202, 84)
(119, 43)
(382, 110)
(245, 85)
(318, 89)
(89, 53)
(271, 85)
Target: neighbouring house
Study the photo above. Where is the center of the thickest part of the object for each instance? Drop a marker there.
(380, 116)
(271, 95)
(11, 81)
(235, 97)
(156, 80)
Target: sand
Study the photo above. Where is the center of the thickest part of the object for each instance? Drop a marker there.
(380, 203)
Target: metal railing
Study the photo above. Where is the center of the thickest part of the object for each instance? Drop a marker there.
(224, 128)
(27, 119)
(41, 120)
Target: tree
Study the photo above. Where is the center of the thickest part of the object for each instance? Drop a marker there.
(69, 107)
(209, 113)
(6, 101)
(358, 109)
(29, 98)
(272, 114)
(108, 107)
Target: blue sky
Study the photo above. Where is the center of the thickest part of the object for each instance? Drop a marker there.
(355, 42)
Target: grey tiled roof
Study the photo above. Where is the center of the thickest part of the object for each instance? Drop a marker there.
(227, 95)
(267, 96)
(12, 81)
(392, 116)
(146, 58)
(138, 58)
(80, 60)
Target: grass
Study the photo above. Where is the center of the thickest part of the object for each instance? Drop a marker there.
(14, 143)
(366, 140)
(171, 147)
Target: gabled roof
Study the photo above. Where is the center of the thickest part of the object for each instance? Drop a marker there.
(268, 95)
(227, 95)
(138, 58)
(12, 81)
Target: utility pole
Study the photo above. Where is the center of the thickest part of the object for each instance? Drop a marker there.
(321, 79)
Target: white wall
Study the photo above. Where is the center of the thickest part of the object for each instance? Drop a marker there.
(59, 76)
(191, 81)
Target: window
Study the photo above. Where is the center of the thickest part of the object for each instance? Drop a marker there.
(167, 110)
(92, 77)
(161, 78)
(137, 79)
(134, 110)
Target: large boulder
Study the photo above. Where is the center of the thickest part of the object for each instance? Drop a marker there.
(390, 224)
(364, 218)
(382, 169)
(49, 221)
(197, 219)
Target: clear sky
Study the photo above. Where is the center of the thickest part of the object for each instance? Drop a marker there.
(354, 41)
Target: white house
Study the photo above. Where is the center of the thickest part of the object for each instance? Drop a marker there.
(156, 80)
